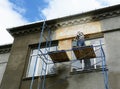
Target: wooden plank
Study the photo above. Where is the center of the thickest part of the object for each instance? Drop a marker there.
(59, 56)
(83, 53)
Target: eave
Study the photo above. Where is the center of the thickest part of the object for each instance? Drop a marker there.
(5, 48)
(81, 18)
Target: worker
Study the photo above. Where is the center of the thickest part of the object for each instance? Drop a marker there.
(80, 39)
(81, 42)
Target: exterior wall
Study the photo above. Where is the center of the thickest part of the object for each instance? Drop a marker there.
(15, 68)
(19, 57)
(66, 45)
(111, 27)
(110, 24)
(3, 62)
(15, 74)
(71, 31)
(112, 40)
(64, 80)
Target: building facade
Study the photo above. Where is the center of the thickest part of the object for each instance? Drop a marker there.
(4, 56)
(100, 26)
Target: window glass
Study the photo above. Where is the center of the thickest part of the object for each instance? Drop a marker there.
(41, 67)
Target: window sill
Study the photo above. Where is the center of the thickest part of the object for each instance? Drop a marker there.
(36, 77)
(88, 71)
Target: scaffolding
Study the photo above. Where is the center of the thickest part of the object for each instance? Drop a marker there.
(59, 56)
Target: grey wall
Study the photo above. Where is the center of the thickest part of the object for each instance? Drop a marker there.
(15, 69)
(112, 40)
(3, 62)
(110, 24)
(14, 77)
(64, 80)
(111, 27)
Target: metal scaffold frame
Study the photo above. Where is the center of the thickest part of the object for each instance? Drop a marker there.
(44, 57)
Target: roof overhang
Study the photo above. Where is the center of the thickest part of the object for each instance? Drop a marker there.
(5, 48)
(95, 15)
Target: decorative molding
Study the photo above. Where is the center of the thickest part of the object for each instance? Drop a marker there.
(71, 22)
(5, 48)
(87, 19)
(106, 15)
(83, 20)
(26, 31)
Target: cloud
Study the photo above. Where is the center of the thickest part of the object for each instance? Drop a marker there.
(109, 2)
(60, 8)
(19, 9)
(113, 2)
(8, 18)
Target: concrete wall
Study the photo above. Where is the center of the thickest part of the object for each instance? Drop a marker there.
(66, 45)
(64, 80)
(110, 24)
(112, 40)
(71, 31)
(3, 62)
(15, 68)
(111, 27)
(15, 74)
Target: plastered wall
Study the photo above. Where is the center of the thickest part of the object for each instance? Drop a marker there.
(3, 62)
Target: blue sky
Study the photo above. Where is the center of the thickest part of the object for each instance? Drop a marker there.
(20, 12)
(32, 8)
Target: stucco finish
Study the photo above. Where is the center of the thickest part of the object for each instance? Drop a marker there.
(71, 31)
(3, 62)
(111, 27)
(110, 24)
(4, 57)
(15, 71)
(16, 68)
(66, 45)
(64, 80)
(112, 41)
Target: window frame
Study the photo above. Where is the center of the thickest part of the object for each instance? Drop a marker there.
(34, 47)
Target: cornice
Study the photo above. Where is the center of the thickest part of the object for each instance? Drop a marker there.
(25, 32)
(86, 19)
(5, 48)
(67, 21)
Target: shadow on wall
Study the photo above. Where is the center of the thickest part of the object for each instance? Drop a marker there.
(60, 81)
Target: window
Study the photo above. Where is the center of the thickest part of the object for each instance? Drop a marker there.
(41, 66)
(94, 63)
